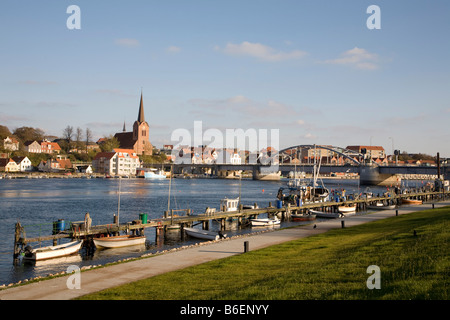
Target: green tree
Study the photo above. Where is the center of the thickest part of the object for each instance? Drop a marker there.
(109, 144)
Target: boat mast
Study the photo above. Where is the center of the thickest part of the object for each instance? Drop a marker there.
(118, 202)
(170, 184)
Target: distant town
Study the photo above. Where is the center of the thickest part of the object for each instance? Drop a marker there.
(28, 149)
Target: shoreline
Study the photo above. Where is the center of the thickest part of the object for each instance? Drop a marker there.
(118, 273)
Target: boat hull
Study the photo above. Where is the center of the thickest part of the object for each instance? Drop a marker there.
(390, 207)
(119, 241)
(410, 201)
(326, 215)
(347, 210)
(203, 234)
(51, 252)
(264, 222)
(303, 217)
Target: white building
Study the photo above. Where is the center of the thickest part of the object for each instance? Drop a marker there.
(23, 163)
(119, 162)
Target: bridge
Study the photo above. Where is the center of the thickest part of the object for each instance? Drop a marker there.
(281, 163)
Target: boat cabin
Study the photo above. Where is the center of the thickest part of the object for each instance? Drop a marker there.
(229, 204)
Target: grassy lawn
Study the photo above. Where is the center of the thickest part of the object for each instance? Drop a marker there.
(332, 265)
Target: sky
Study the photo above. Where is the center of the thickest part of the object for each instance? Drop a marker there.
(313, 70)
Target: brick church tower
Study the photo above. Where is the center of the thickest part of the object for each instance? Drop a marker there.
(138, 139)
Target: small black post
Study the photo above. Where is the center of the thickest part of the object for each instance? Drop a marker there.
(432, 205)
(396, 212)
(246, 247)
(343, 223)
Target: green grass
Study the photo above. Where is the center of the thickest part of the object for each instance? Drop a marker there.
(332, 265)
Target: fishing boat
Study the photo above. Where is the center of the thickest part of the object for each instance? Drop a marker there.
(411, 201)
(264, 222)
(381, 206)
(204, 234)
(50, 252)
(154, 175)
(347, 209)
(303, 216)
(119, 241)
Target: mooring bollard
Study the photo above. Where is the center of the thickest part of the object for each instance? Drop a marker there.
(246, 247)
(343, 224)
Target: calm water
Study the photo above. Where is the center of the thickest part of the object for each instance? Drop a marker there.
(39, 202)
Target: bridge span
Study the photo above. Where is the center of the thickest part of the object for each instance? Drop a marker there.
(369, 174)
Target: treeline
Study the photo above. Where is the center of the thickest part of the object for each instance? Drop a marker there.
(76, 143)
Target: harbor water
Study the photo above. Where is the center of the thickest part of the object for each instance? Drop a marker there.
(37, 203)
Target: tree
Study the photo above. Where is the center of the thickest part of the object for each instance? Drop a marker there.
(67, 135)
(88, 136)
(110, 144)
(29, 134)
(78, 139)
(4, 132)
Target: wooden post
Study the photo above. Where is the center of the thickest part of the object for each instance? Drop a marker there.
(17, 239)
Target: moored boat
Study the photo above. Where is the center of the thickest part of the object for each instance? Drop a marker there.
(411, 201)
(264, 222)
(347, 209)
(154, 175)
(50, 252)
(119, 241)
(204, 234)
(303, 217)
(326, 215)
(381, 206)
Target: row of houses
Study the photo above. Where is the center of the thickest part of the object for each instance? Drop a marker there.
(23, 164)
(42, 146)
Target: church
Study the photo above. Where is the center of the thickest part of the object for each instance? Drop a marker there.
(138, 139)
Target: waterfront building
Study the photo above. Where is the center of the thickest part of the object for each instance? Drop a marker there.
(119, 162)
(8, 165)
(137, 140)
(23, 163)
(372, 151)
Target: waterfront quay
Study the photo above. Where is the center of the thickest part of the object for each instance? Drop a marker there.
(83, 229)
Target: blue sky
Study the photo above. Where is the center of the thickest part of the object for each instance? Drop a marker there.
(311, 69)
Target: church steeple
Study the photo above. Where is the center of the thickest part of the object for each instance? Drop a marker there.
(124, 129)
(141, 118)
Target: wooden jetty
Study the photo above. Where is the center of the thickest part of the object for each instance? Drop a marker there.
(83, 229)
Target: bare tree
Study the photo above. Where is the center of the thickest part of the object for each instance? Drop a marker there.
(88, 136)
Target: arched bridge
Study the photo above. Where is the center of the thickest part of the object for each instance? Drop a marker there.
(320, 151)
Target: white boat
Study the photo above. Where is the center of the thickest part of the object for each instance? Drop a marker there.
(53, 251)
(154, 175)
(119, 241)
(204, 234)
(264, 222)
(229, 204)
(381, 206)
(347, 209)
(326, 215)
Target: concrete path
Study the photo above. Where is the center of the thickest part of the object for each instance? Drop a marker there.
(111, 276)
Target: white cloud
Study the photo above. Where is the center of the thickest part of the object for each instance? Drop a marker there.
(260, 51)
(127, 42)
(173, 49)
(358, 58)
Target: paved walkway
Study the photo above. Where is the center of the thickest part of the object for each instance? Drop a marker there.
(111, 276)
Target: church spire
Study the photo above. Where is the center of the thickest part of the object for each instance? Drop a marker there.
(124, 129)
(141, 118)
